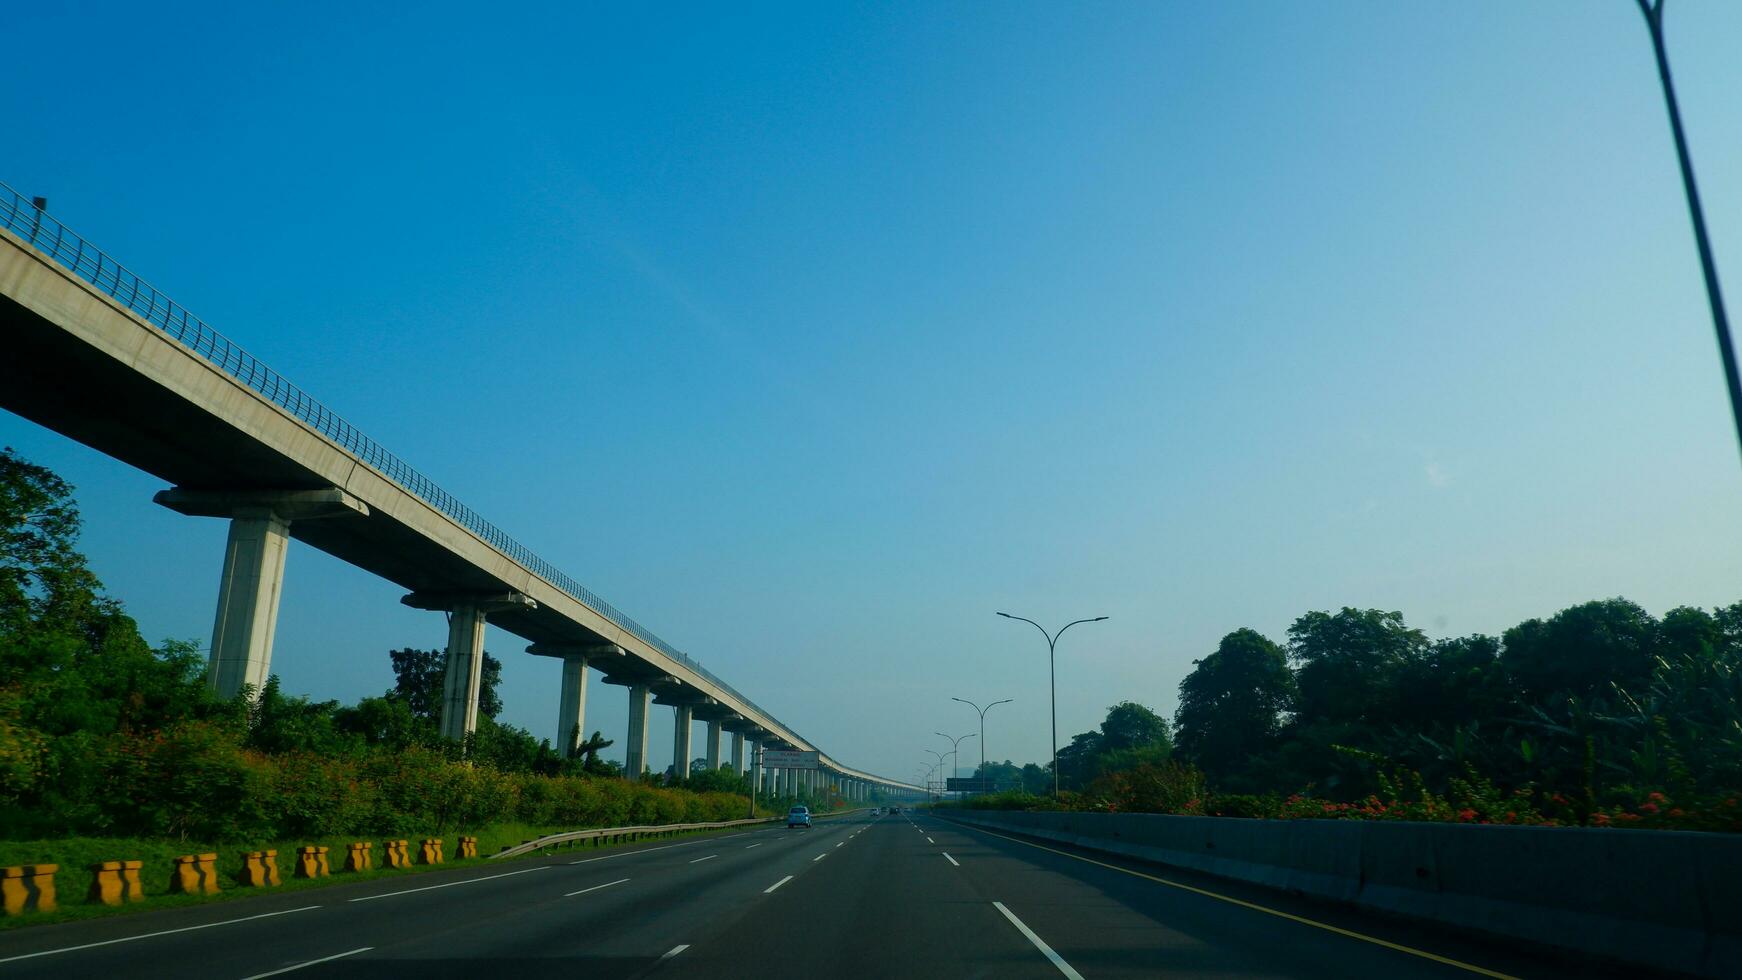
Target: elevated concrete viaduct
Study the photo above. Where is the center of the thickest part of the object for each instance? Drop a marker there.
(104, 358)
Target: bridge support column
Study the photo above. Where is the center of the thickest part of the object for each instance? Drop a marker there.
(571, 715)
(467, 616)
(248, 602)
(465, 668)
(737, 753)
(635, 755)
(248, 592)
(712, 749)
(680, 749)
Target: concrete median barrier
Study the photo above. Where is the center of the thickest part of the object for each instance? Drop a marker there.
(194, 874)
(358, 857)
(115, 883)
(1663, 899)
(28, 888)
(259, 870)
(311, 862)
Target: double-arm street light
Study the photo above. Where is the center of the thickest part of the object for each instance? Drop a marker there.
(982, 711)
(1653, 11)
(955, 752)
(940, 767)
(1052, 641)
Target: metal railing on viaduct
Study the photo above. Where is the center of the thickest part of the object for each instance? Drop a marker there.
(240, 655)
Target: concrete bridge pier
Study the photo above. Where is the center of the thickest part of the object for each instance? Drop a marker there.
(571, 718)
(635, 755)
(737, 753)
(642, 688)
(248, 592)
(467, 617)
(680, 748)
(712, 749)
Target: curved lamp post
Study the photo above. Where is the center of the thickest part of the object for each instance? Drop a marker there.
(1653, 11)
(955, 753)
(940, 767)
(1052, 640)
(982, 712)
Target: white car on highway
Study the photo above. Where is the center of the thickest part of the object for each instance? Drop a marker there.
(798, 816)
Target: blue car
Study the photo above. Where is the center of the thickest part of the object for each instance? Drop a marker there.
(798, 816)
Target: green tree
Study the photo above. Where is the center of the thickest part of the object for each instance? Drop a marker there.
(284, 724)
(1582, 651)
(1451, 682)
(1231, 705)
(588, 750)
(418, 676)
(1130, 725)
(1347, 664)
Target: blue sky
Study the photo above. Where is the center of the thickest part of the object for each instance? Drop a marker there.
(810, 337)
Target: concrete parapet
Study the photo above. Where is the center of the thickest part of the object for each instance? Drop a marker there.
(115, 882)
(396, 853)
(429, 851)
(357, 856)
(28, 888)
(1668, 900)
(259, 869)
(194, 874)
(311, 862)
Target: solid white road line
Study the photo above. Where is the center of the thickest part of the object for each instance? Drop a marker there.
(757, 844)
(951, 859)
(595, 888)
(674, 951)
(645, 850)
(765, 891)
(324, 959)
(701, 859)
(450, 884)
(148, 935)
(1040, 944)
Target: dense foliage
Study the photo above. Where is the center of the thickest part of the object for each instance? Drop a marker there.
(101, 734)
(1600, 715)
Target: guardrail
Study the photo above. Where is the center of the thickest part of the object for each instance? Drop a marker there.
(47, 235)
(1662, 899)
(611, 833)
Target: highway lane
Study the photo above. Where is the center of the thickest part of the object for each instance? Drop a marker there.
(928, 898)
(858, 895)
(524, 914)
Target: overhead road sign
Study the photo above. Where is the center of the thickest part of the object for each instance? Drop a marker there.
(788, 759)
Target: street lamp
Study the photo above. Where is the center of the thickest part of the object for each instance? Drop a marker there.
(1653, 11)
(1052, 640)
(940, 766)
(982, 712)
(955, 752)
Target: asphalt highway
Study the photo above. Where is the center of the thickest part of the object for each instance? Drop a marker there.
(898, 895)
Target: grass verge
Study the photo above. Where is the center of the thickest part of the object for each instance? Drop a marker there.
(76, 854)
